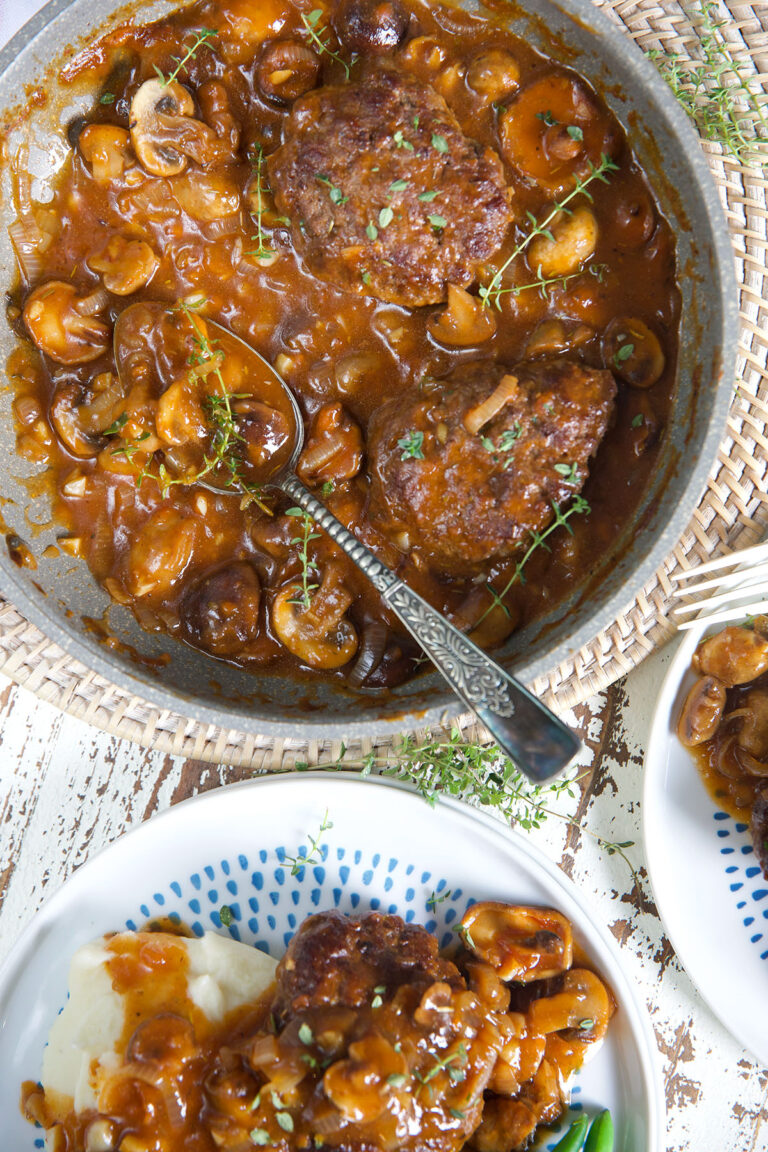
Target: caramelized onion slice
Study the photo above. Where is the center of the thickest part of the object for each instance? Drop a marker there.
(476, 417)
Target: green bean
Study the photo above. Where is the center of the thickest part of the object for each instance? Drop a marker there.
(574, 1137)
(600, 1138)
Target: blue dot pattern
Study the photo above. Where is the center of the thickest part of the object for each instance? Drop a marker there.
(745, 878)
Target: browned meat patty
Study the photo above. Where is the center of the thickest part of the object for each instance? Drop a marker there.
(385, 194)
(466, 496)
(334, 960)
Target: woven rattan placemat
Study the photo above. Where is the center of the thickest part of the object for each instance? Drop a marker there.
(732, 514)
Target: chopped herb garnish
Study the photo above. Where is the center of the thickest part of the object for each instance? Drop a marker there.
(622, 354)
(107, 98)
(260, 1137)
(305, 1034)
(412, 444)
(457, 1113)
(377, 1002)
(575, 132)
(327, 488)
(438, 222)
(386, 216)
(397, 1080)
(114, 429)
(371, 230)
(285, 1120)
(439, 143)
(416, 121)
(427, 197)
(401, 142)
(637, 421)
(547, 118)
(225, 915)
(365, 276)
(585, 1025)
(569, 472)
(398, 186)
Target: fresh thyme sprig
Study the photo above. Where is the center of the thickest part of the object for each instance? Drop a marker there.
(715, 92)
(543, 283)
(480, 775)
(303, 595)
(204, 36)
(491, 293)
(261, 252)
(313, 853)
(538, 540)
(316, 31)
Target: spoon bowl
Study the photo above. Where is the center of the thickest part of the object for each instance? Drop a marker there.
(537, 740)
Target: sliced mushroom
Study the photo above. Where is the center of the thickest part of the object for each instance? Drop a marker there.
(554, 336)
(165, 135)
(287, 69)
(494, 74)
(734, 655)
(320, 634)
(571, 242)
(553, 130)
(633, 352)
(180, 415)
(583, 1003)
(157, 111)
(335, 448)
(125, 265)
(217, 113)
(161, 552)
(753, 723)
(360, 1086)
(62, 325)
(702, 711)
(208, 196)
(221, 612)
(105, 148)
(520, 942)
(464, 322)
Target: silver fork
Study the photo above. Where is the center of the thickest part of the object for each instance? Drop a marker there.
(739, 576)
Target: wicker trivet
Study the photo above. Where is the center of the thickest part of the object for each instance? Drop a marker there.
(732, 513)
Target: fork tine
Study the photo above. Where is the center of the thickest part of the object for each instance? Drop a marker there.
(711, 602)
(757, 552)
(731, 614)
(753, 575)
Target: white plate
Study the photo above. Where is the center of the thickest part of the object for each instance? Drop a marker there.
(387, 849)
(709, 890)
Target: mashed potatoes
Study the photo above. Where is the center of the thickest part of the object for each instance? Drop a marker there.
(118, 982)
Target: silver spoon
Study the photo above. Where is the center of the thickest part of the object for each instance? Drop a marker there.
(524, 728)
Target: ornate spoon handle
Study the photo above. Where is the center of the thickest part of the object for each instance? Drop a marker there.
(538, 742)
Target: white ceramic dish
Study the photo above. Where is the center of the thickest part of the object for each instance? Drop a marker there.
(387, 849)
(710, 892)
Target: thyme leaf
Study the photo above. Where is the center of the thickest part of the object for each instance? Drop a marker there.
(202, 40)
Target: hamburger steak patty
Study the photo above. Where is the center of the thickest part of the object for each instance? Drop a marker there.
(466, 496)
(334, 960)
(385, 194)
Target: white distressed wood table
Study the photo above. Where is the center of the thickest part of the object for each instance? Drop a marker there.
(67, 790)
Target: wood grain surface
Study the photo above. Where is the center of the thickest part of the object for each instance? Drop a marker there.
(67, 790)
